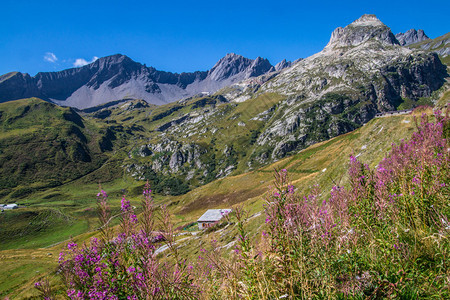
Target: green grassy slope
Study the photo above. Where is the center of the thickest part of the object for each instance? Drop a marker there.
(322, 164)
(75, 204)
(43, 145)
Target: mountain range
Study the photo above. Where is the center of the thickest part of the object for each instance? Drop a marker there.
(118, 77)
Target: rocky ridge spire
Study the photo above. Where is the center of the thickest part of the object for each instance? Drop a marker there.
(282, 65)
(233, 64)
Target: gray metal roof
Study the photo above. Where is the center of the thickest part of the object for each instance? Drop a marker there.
(213, 215)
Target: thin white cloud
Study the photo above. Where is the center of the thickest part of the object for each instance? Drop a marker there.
(79, 62)
(50, 57)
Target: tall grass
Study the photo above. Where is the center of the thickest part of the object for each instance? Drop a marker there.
(385, 235)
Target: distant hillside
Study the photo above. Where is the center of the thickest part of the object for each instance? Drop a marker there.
(43, 145)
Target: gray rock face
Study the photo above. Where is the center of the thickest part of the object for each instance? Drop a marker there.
(411, 36)
(116, 77)
(16, 85)
(144, 151)
(282, 65)
(170, 156)
(233, 64)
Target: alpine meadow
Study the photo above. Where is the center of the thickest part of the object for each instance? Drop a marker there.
(325, 177)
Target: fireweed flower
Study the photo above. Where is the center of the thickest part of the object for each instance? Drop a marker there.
(72, 246)
(102, 193)
(291, 189)
(133, 218)
(62, 257)
(125, 205)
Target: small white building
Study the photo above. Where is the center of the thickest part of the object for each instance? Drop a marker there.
(8, 206)
(211, 217)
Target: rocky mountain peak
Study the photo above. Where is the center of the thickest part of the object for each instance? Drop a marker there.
(233, 64)
(368, 20)
(259, 60)
(230, 58)
(412, 36)
(113, 60)
(282, 65)
(259, 66)
(8, 76)
(366, 28)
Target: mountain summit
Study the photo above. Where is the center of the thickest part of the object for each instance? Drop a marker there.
(233, 64)
(360, 31)
(367, 20)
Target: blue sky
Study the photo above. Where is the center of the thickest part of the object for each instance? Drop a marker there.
(184, 36)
